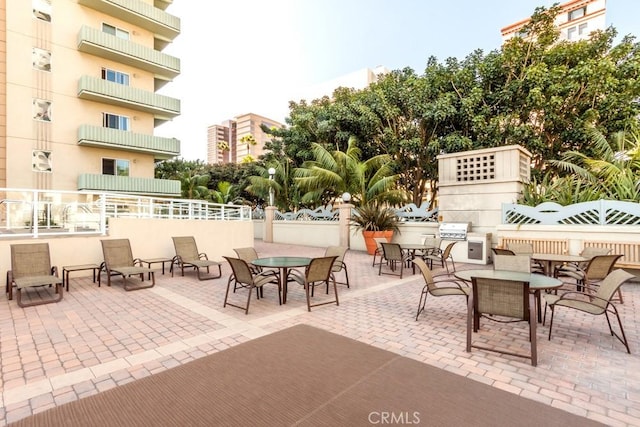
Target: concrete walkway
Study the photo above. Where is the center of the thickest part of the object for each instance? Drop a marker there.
(99, 338)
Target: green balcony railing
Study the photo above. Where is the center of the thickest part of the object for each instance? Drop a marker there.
(139, 13)
(95, 89)
(161, 148)
(130, 185)
(95, 42)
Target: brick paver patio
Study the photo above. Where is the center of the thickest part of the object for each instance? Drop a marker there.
(99, 338)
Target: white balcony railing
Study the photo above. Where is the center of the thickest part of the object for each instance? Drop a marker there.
(33, 213)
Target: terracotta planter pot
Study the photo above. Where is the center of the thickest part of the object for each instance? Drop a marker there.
(369, 236)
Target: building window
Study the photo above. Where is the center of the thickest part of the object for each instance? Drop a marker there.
(41, 59)
(571, 33)
(582, 29)
(578, 13)
(41, 110)
(114, 121)
(115, 76)
(41, 161)
(118, 32)
(42, 9)
(116, 167)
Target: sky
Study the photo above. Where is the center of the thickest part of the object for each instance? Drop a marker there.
(254, 56)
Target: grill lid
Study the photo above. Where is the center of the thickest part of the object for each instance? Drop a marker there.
(454, 230)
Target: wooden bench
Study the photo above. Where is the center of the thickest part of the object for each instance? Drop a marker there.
(543, 246)
(629, 250)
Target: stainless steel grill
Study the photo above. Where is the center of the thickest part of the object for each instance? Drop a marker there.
(454, 230)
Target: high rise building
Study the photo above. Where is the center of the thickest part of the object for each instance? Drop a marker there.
(577, 19)
(239, 140)
(78, 94)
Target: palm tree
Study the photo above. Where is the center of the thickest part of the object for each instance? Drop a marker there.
(613, 171)
(331, 174)
(194, 186)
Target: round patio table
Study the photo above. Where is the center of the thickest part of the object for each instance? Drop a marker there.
(284, 263)
(537, 282)
(411, 248)
(550, 259)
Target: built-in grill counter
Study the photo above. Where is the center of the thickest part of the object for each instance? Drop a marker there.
(472, 248)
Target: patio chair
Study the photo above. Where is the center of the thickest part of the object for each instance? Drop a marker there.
(317, 273)
(439, 286)
(526, 249)
(432, 242)
(31, 268)
(187, 255)
(572, 268)
(378, 251)
(394, 256)
(338, 265)
(598, 267)
(504, 301)
(118, 260)
(248, 255)
(597, 304)
(442, 257)
(242, 276)
(512, 263)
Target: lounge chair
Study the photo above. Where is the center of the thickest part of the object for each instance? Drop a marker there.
(31, 267)
(187, 255)
(118, 260)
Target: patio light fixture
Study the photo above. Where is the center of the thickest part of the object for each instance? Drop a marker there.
(272, 173)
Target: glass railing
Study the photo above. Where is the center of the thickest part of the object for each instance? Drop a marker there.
(33, 213)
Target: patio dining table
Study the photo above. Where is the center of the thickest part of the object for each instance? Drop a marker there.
(537, 282)
(283, 263)
(548, 260)
(411, 249)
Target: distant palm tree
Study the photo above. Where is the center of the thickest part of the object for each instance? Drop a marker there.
(194, 186)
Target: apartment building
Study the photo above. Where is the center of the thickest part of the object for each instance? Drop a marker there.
(78, 105)
(239, 140)
(576, 21)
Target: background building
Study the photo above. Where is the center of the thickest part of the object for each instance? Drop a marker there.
(239, 140)
(78, 94)
(576, 21)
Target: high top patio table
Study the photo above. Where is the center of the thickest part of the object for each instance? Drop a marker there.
(284, 263)
(537, 282)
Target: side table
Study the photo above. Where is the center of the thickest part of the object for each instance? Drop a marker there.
(69, 268)
(156, 261)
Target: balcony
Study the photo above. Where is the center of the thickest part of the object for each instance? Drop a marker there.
(95, 42)
(161, 148)
(130, 185)
(99, 90)
(139, 13)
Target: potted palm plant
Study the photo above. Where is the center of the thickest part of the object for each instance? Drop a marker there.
(375, 221)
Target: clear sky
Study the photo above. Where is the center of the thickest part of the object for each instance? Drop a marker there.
(254, 56)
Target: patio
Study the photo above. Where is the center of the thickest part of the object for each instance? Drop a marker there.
(99, 338)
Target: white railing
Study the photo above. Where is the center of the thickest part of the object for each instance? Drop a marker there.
(408, 213)
(33, 213)
(600, 212)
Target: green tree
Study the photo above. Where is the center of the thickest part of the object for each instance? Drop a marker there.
(331, 174)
